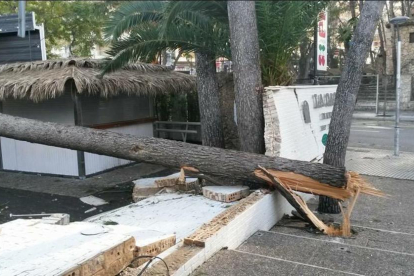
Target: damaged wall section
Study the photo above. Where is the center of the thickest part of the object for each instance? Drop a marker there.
(297, 120)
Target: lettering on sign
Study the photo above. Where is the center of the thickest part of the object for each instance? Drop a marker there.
(324, 127)
(326, 115)
(320, 100)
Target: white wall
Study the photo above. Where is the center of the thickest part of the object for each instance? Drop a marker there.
(96, 163)
(31, 157)
(286, 133)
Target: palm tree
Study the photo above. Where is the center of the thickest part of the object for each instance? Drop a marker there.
(142, 30)
(282, 26)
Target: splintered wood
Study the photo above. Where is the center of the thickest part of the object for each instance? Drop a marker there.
(287, 183)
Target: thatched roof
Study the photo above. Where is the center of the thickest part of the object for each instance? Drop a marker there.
(41, 80)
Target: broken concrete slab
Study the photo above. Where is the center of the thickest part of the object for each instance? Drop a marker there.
(59, 219)
(146, 187)
(31, 248)
(168, 181)
(226, 193)
(93, 200)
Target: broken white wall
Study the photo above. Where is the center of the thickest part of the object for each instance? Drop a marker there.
(286, 132)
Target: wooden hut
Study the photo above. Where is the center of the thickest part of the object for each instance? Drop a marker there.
(70, 92)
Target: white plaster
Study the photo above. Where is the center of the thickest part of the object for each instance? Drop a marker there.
(262, 215)
(296, 139)
(32, 248)
(179, 214)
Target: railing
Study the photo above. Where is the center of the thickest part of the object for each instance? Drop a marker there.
(175, 127)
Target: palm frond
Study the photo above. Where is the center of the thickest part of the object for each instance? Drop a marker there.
(131, 14)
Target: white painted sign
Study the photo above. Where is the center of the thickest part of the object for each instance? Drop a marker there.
(297, 120)
(322, 41)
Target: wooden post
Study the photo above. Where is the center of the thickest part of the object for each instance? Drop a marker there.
(78, 122)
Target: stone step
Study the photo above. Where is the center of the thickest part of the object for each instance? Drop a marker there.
(332, 254)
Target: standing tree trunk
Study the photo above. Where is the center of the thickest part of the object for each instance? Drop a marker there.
(346, 93)
(209, 100)
(304, 59)
(247, 75)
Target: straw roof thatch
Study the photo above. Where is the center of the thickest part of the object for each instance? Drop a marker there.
(43, 80)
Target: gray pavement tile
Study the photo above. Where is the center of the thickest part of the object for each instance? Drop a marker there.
(347, 258)
(364, 237)
(233, 263)
(377, 162)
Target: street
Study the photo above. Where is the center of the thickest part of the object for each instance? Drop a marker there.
(380, 135)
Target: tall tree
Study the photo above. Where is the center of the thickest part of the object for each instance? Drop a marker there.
(73, 24)
(143, 30)
(248, 87)
(346, 93)
(282, 26)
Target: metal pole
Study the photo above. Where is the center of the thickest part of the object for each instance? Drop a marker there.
(315, 54)
(377, 97)
(21, 32)
(397, 109)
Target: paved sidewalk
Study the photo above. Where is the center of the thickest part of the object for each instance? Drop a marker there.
(383, 244)
(380, 163)
(405, 116)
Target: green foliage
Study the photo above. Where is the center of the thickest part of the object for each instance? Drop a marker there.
(76, 24)
(346, 31)
(282, 26)
(141, 30)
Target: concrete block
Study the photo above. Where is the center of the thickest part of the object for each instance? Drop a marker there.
(226, 193)
(153, 248)
(59, 219)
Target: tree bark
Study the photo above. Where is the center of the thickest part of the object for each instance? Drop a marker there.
(346, 93)
(248, 87)
(352, 8)
(216, 162)
(209, 100)
(304, 60)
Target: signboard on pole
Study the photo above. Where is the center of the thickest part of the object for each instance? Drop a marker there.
(322, 41)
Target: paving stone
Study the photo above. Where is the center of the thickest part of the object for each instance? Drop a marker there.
(331, 255)
(380, 163)
(229, 263)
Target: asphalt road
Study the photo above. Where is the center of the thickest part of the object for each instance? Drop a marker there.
(380, 135)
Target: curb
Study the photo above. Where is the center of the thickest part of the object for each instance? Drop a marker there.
(391, 119)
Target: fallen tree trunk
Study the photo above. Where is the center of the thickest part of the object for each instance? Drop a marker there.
(239, 166)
